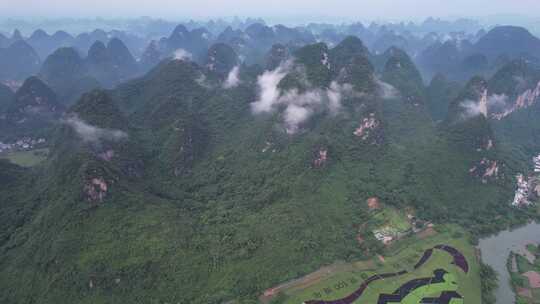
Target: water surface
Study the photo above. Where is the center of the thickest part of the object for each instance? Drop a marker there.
(496, 249)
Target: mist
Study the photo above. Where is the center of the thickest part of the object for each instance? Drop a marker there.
(93, 134)
(297, 107)
(307, 10)
(233, 79)
(182, 54)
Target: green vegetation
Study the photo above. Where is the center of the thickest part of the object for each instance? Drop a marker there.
(204, 202)
(391, 221)
(440, 94)
(521, 282)
(523, 264)
(6, 97)
(26, 158)
(401, 256)
(401, 72)
(534, 249)
(489, 283)
(450, 283)
(393, 218)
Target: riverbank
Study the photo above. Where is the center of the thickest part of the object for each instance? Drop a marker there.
(496, 249)
(524, 269)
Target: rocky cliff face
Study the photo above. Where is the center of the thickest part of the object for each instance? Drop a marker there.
(524, 100)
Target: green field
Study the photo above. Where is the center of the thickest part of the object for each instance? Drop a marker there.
(520, 281)
(401, 256)
(26, 158)
(523, 264)
(533, 249)
(390, 218)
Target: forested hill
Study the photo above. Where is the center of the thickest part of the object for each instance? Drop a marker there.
(211, 183)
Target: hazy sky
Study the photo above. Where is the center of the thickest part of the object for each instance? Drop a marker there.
(200, 9)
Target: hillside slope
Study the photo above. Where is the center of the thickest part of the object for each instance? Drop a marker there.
(176, 188)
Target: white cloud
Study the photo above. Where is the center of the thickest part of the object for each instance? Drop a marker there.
(233, 79)
(497, 100)
(295, 115)
(471, 109)
(486, 104)
(181, 54)
(386, 90)
(335, 94)
(298, 106)
(93, 134)
(269, 92)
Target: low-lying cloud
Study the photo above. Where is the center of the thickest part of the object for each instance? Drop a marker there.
(181, 54)
(93, 134)
(268, 86)
(295, 115)
(203, 82)
(497, 100)
(233, 78)
(297, 106)
(472, 108)
(335, 94)
(386, 90)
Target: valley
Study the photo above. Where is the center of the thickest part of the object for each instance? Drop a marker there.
(26, 158)
(26, 152)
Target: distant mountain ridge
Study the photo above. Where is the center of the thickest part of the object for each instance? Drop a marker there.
(18, 61)
(462, 59)
(509, 40)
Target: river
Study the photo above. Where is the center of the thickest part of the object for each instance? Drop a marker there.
(496, 249)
